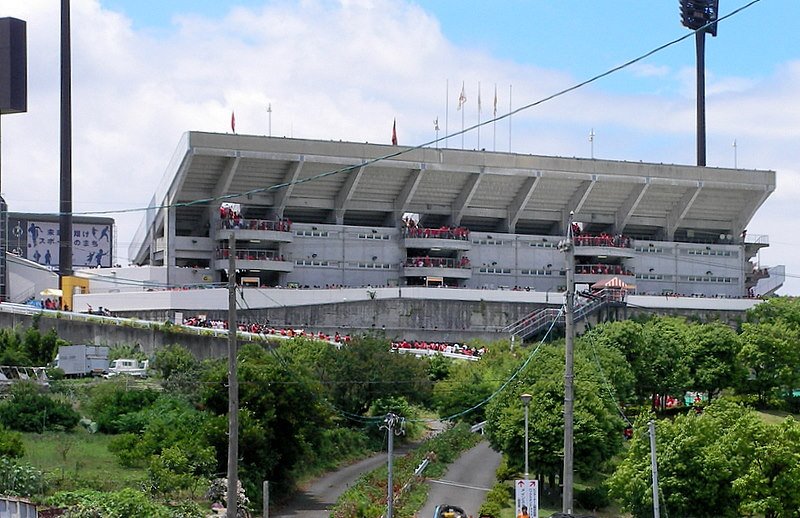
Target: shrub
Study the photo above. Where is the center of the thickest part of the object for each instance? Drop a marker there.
(593, 498)
(11, 444)
(28, 410)
(111, 402)
(20, 479)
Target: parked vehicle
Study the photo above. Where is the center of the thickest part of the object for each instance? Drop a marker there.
(128, 366)
(82, 360)
(448, 511)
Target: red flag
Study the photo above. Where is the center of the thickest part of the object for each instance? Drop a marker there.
(394, 132)
(233, 122)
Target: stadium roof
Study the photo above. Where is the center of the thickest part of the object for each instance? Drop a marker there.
(373, 185)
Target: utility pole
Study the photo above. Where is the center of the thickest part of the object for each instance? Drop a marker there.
(654, 467)
(391, 423)
(233, 386)
(567, 247)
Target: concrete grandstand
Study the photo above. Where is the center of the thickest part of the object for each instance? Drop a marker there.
(316, 214)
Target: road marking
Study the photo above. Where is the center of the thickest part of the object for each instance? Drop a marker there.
(456, 484)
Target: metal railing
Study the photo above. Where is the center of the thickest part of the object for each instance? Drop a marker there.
(255, 224)
(436, 262)
(250, 255)
(540, 319)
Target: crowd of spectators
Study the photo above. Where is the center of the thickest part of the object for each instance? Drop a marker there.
(601, 269)
(603, 239)
(230, 219)
(265, 329)
(445, 347)
(411, 229)
(438, 262)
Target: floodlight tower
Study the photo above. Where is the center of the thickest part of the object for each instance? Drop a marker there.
(701, 17)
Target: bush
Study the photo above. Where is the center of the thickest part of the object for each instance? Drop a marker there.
(111, 403)
(28, 410)
(11, 444)
(496, 500)
(123, 503)
(20, 479)
(593, 498)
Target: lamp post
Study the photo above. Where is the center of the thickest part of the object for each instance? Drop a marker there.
(700, 16)
(526, 399)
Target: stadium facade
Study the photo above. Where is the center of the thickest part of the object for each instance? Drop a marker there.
(312, 213)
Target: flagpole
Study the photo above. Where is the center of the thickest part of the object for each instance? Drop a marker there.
(494, 124)
(446, 112)
(462, 114)
(269, 112)
(479, 115)
(509, 118)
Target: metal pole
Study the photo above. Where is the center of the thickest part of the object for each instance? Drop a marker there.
(233, 385)
(526, 442)
(265, 512)
(390, 489)
(569, 401)
(654, 467)
(700, 39)
(65, 210)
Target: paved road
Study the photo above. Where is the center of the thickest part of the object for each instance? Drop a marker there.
(319, 497)
(466, 482)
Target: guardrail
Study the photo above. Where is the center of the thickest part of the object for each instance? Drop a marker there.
(431, 352)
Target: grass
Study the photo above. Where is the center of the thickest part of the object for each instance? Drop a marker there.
(78, 460)
(774, 416)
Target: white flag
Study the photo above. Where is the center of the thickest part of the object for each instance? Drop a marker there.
(479, 98)
(462, 98)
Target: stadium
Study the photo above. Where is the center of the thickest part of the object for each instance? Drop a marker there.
(316, 214)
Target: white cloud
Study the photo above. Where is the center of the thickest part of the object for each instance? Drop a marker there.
(345, 71)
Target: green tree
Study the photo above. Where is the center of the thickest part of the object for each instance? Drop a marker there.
(769, 351)
(699, 458)
(365, 370)
(282, 416)
(712, 356)
(770, 485)
(597, 428)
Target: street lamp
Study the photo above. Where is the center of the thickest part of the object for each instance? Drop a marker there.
(697, 15)
(526, 400)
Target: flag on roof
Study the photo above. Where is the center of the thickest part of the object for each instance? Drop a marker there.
(233, 122)
(462, 97)
(394, 132)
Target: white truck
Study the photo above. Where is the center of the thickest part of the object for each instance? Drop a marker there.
(128, 366)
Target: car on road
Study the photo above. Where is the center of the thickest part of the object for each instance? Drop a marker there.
(448, 511)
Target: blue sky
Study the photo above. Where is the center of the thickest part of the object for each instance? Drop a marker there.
(145, 71)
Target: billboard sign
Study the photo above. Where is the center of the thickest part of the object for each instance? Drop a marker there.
(91, 244)
(527, 495)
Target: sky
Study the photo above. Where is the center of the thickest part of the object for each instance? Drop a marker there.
(146, 71)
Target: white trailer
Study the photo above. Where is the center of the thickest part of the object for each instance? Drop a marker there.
(82, 360)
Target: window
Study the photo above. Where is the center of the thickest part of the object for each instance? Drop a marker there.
(649, 276)
(542, 244)
(703, 278)
(373, 236)
(311, 233)
(536, 272)
(494, 242)
(649, 249)
(312, 262)
(373, 266)
(500, 271)
(710, 252)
